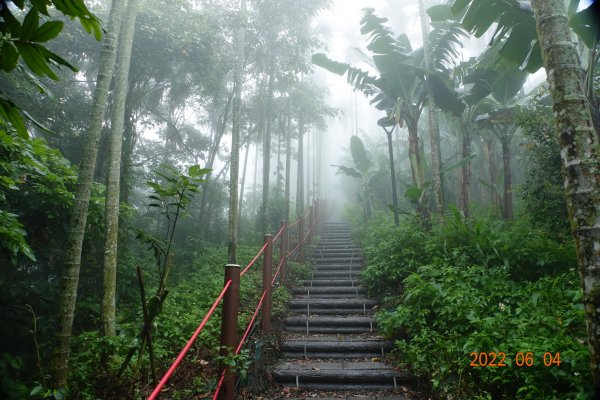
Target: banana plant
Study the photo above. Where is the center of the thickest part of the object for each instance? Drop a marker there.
(514, 46)
(362, 170)
(400, 86)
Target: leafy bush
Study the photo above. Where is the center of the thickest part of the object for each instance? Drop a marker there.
(543, 191)
(450, 311)
(187, 303)
(480, 285)
(394, 252)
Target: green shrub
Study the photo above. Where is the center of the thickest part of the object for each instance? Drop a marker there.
(450, 311)
(479, 285)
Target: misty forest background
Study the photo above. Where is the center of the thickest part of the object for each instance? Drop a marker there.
(167, 138)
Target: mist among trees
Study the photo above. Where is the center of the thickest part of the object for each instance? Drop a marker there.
(146, 144)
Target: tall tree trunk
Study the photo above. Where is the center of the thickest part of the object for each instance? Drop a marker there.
(129, 138)
(307, 173)
(393, 174)
(264, 218)
(465, 171)
(580, 154)
(78, 216)
(300, 180)
(414, 155)
(255, 179)
(288, 161)
(207, 186)
(108, 309)
(314, 165)
(434, 124)
(241, 202)
(278, 168)
(489, 146)
(417, 169)
(507, 206)
(235, 136)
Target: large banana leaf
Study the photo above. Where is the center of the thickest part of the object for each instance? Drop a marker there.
(444, 97)
(347, 171)
(515, 26)
(401, 69)
(586, 24)
(445, 40)
(360, 155)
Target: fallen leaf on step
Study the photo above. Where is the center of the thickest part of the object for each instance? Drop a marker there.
(315, 369)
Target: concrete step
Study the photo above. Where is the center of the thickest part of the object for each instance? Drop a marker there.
(339, 260)
(333, 253)
(328, 320)
(333, 264)
(350, 273)
(333, 306)
(336, 347)
(331, 282)
(328, 290)
(340, 375)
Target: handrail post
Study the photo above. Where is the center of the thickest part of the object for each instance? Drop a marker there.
(229, 322)
(283, 250)
(311, 220)
(267, 278)
(300, 237)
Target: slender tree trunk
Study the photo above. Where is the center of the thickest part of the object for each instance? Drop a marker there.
(241, 202)
(307, 173)
(300, 180)
(255, 179)
(78, 216)
(129, 138)
(235, 137)
(434, 124)
(108, 310)
(264, 218)
(278, 168)
(465, 172)
(207, 186)
(489, 145)
(418, 173)
(580, 154)
(315, 164)
(414, 155)
(507, 209)
(288, 162)
(393, 174)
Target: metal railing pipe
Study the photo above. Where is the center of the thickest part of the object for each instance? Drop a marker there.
(267, 277)
(283, 250)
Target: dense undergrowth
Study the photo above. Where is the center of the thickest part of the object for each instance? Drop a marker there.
(184, 308)
(466, 287)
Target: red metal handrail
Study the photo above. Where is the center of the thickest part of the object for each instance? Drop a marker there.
(283, 257)
(253, 260)
(249, 327)
(278, 234)
(296, 223)
(188, 345)
(244, 337)
(277, 272)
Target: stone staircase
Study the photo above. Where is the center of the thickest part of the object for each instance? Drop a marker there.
(330, 342)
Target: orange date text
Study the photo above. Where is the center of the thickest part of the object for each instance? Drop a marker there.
(521, 359)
